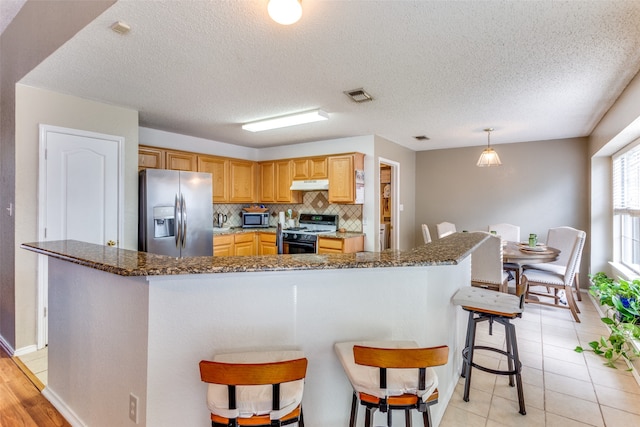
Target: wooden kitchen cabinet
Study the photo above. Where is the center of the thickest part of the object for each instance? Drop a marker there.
(310, 168)
(348, 245)
(283, 174)
(181, 161)
(267, 244)
(223, 245)
(342, 178)
(244, 244)
(218, 167)
(242, 181)
(275, 183)
(150, 158)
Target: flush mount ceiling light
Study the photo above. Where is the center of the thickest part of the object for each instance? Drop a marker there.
(284, 121)
(285, 12)
(489, 157)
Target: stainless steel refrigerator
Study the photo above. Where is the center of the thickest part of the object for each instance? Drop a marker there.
(175, 213)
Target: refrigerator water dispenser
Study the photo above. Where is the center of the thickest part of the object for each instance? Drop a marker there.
(163, 220)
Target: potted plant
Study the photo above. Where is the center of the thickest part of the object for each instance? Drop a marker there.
(621, 299)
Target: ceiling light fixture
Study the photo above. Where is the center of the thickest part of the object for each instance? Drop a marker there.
(489, 157)
(284, 121)
(285, 12)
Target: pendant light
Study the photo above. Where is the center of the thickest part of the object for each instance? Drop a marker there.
(285, 12)
(489, 157)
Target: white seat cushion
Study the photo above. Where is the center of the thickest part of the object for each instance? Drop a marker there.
(545, 277)
(366, 379)
(487, 300)
(545, 266)
(256, 399)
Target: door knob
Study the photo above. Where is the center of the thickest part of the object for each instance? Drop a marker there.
(111, 243)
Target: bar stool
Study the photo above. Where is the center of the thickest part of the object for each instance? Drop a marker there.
(255, 388)
(486, 305)
(391, 375)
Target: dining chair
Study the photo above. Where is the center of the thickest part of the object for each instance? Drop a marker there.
(487, 269)
(444, 229)
(506, 231)
(556, 282)
(562, 238)
(510, 233)
(391, 375)
(255, 388)
(425, 233)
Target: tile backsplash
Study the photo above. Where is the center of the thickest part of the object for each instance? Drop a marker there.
(315, 202)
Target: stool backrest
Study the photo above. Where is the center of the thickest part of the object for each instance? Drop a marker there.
(252, 373)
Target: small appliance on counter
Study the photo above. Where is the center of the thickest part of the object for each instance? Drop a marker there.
(219, 220)
(255, 217)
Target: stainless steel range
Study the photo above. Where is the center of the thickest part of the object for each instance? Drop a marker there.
(304, 239)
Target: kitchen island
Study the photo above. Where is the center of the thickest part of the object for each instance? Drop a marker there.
(127, 323)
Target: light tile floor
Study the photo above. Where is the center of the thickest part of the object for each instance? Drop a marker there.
(561, 387)
(37, 362)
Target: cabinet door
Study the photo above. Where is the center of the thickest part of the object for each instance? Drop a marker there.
(341, 179)
(244, 244)
(181, 161)
(150, 158)
(300, 169)
(267, 244)
(218, 167)
(267, 182)
(241, 179)
(318, 168)
(223, 245)
(283, 174)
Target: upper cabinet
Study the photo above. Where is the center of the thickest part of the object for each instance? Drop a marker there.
(150, 158)
(310, 168)
(242, 181)
(346, 178)
(218, 167)
(181, 161)
(275, 182)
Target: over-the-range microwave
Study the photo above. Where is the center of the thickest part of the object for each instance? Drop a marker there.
(255, 219)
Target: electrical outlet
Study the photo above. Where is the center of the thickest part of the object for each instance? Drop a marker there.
(133, 408)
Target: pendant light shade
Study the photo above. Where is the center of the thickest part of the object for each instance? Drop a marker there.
(489, 157)
(285, 12)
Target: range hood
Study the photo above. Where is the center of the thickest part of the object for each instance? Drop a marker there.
(310, 185)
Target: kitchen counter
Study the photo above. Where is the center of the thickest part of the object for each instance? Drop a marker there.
(123, 322)
(125, 262)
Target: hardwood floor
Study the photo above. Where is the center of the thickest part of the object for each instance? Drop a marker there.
(21, 403)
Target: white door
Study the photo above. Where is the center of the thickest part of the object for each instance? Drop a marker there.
(79, 195)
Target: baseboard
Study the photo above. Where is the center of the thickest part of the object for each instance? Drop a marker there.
(64, 410)
(6, 347)
(25, 350)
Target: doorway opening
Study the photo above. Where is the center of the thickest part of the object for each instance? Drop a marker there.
(389, 213)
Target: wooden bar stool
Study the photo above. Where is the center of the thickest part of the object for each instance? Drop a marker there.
(391, 375)
(487, 305)
(255, 388)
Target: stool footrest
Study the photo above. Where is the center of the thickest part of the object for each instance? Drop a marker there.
(517, 364)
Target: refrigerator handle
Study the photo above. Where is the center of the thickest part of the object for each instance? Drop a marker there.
(183, 208)
(177, 223)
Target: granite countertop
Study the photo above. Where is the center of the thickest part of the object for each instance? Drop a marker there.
(240, 230)
(124, 262)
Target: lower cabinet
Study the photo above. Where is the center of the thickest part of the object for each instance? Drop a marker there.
(223, 245)
(349, 245)
(267, 244)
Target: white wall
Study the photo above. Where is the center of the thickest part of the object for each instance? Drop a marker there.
(37, 106)
(539, 185)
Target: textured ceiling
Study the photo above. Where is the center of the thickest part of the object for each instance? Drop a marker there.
(533, 70)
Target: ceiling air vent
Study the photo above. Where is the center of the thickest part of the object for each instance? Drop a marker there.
(358, 95)
(422, 138)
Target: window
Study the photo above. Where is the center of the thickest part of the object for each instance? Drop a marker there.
(626, 207)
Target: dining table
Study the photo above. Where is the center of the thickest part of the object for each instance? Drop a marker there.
(517, 254)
